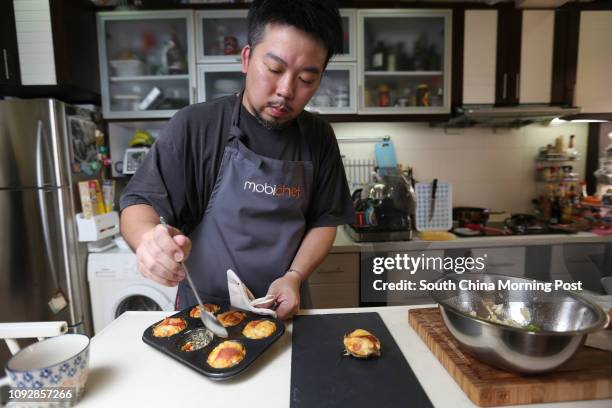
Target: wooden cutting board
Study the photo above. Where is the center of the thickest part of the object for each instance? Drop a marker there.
(587, 376)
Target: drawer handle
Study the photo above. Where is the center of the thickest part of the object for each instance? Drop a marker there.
(331, 270)
(6, 68)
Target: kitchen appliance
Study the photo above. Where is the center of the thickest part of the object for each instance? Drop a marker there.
(516, 224)
(554, 324)
(116, 286)
(133, 159)
(588, 376)
(386, 206)
(42, 264)
(471, 215)
(508, 116)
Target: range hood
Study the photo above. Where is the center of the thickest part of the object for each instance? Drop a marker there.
(507, 116)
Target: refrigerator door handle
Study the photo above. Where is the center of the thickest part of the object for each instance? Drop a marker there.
(42, 203)
(40, 172)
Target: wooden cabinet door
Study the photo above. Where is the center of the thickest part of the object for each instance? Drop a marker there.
(9, 55)
(335, 283)
(479, 56)
(535, 76)
(507, 77)
(593, 85)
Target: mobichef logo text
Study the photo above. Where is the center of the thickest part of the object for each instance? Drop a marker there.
(273, 190)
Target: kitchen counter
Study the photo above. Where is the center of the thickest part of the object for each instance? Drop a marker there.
(343, 243)
(126, 372)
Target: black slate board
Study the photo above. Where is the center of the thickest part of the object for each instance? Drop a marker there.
(321, 376)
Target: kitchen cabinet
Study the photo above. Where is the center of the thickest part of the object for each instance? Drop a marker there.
(220, 35)
(418, 296)
(508, 56)
(9, 56)
(40, 54)
(335, 283)
(338, 90)
(121, 133)
(503, 260)
(479, 56)
(536, 66)
(147, 63)
(349, 36)
(586, 263)
(593, 87)
(404, 59)
(217, 80)
(507, 72)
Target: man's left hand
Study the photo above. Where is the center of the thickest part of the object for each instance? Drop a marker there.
(286, 291)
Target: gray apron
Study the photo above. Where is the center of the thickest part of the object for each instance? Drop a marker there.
(254, 222)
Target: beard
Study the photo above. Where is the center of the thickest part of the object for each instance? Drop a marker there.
(270, 125)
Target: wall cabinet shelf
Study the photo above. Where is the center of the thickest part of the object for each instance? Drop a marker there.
(404, 61)
(147, 63)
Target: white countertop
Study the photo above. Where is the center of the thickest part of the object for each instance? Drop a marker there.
(125, 372)
(344, 243)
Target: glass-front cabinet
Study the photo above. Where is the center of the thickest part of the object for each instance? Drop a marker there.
(392, 62)
(404, 61)
(349, 36)
(217, 80)
(147, 64)
(336, 94)
(220, 35)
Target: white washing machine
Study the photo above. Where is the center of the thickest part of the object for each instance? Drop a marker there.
(116, 286)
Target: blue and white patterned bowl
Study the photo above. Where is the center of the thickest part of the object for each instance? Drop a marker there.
(61, 361)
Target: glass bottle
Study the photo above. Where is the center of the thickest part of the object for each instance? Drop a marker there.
(572, 153)
(379, 57)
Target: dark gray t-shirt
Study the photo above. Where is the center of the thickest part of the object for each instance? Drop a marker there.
(178, 174)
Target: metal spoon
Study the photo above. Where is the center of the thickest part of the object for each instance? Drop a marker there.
(207, 318)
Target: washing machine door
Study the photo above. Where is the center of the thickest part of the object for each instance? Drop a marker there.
(139, 298)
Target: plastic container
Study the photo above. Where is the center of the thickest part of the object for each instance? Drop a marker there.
(128, 67)
(97, 227)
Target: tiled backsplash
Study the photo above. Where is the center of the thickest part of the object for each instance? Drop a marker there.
(494, 169)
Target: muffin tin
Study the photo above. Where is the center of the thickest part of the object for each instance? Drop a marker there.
(196, 359)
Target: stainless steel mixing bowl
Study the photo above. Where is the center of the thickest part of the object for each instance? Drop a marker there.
(564, 319)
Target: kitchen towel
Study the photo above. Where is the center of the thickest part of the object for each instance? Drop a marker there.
(322, 376)
(242, 298)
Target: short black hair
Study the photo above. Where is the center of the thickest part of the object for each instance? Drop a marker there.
(319, 18)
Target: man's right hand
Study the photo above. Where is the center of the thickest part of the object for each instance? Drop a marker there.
(160, 254)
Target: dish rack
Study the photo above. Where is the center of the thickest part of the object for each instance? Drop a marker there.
(358, 172)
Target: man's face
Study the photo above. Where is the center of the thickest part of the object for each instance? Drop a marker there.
(282, 73)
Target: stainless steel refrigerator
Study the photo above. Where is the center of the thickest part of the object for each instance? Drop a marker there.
(39, 249)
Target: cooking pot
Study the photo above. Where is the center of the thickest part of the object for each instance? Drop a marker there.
(471, 215)
(562, 322)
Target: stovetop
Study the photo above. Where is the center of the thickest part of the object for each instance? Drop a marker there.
(500, 229)
(374, 234)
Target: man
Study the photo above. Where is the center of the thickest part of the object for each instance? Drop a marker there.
(251, 181)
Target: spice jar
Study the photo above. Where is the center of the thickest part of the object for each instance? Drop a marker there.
(384, 95)
(422, 95)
